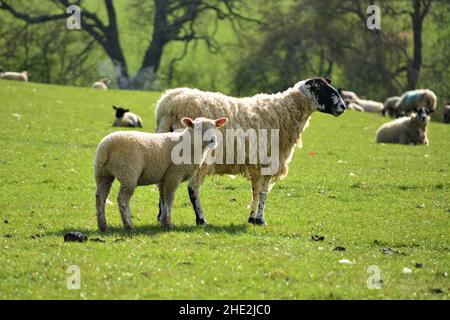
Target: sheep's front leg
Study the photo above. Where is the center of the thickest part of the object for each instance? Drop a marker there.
(262, 201)
(256, 189)
(160, 204)
(123, 199)
(194, 196)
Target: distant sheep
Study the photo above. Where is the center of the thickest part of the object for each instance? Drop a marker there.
(406, 130)
(447, 113)
(288, 111)
(411, 100)
(138, 159)
(355, 107)
(125, 118)
(348, 96)
(390, 106)
(370, 105)
(102, 84)
(16, 76)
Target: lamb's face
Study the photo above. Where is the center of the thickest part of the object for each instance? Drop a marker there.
(207, 129)
(120, 111)
(327, 98)
(423, 114)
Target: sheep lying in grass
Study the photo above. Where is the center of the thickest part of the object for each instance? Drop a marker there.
(138, 159)
(125, 118)
(16, 76)
(348, 96)
(288, 112)
(355, 107)
(411, 100)
(102, 84)
(406, 130)
(370, 105)
(390, 106)
(447, 113)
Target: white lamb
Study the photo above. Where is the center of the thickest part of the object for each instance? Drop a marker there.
(406, 130)
(16, 76)
(102, 84)
(288, 111)
(138, 159)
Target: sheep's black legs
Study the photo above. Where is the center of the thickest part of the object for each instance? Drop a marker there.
(123, 199)
(194, 196)
(103, 188)
(160, 204)
(256, 189)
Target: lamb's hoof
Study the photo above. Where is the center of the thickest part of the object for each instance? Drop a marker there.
(167, 226)
(260, 222)
(251, 220)
(201, 222)
(129, 228)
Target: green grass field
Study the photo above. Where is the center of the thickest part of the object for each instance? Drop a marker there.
(357, 194)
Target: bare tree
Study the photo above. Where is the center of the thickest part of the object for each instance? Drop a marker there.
(174, 20)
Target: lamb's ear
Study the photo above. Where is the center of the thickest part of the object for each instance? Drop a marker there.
(221, 122)
(114, 107)
(126, 110)
(187, 122)
(328, 80)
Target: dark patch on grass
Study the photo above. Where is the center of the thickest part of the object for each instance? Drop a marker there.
(230, 187)
(436, 291)
(390, 251)
(36, 236)
(317, 238)
(97, 240)
(418, 265)
(75, 237)
(339, 248)
(8, 235)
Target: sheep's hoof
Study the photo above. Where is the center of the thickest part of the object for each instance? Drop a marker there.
(103, 228)
(201, 222)
(129, 227)
(251, 220)
(260, 222)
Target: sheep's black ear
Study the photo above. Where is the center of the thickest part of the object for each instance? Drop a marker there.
(328, 80)
(114, 107)
(126, 110)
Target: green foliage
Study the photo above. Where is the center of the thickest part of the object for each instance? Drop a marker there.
(359, 195)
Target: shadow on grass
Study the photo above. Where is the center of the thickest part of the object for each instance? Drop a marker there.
(153, 230)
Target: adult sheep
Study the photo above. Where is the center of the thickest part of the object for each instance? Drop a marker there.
(348, 96)
(288, 111)
(16, 76)
(411, 100)
(370, 105)
(406, 130)
(390, 106)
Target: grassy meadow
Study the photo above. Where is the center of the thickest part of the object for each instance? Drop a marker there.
(387, 205)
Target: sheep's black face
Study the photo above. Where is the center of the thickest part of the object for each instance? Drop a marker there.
(328, 98)
(423, 114)
(120, 111)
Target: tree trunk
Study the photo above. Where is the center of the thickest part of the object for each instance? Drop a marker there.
(415, 64)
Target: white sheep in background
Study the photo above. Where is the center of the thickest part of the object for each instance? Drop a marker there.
(348, 96)
(447, 113)
(370, 105)
(102, 84)
(16, 76)
(288, 111)
(125, 118)
(138, 159)
(406, 130)
(355, 107)
(390, 106)
(411, 100)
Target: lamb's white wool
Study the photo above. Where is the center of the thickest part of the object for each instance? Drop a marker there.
(414, 99)
(102, 84)
(355, 107)
(288, 111)
(16, 76)
(370, 105)
(406, 130)
(137, 159)
(125, 118)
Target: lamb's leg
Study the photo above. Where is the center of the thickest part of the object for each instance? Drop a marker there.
(194, 195)
(123, 199)
(262, 201)
(170, 185)
(256, 189)
(103, 188)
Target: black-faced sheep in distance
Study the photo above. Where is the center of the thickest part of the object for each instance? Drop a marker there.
(125, 118)
(288, 111)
